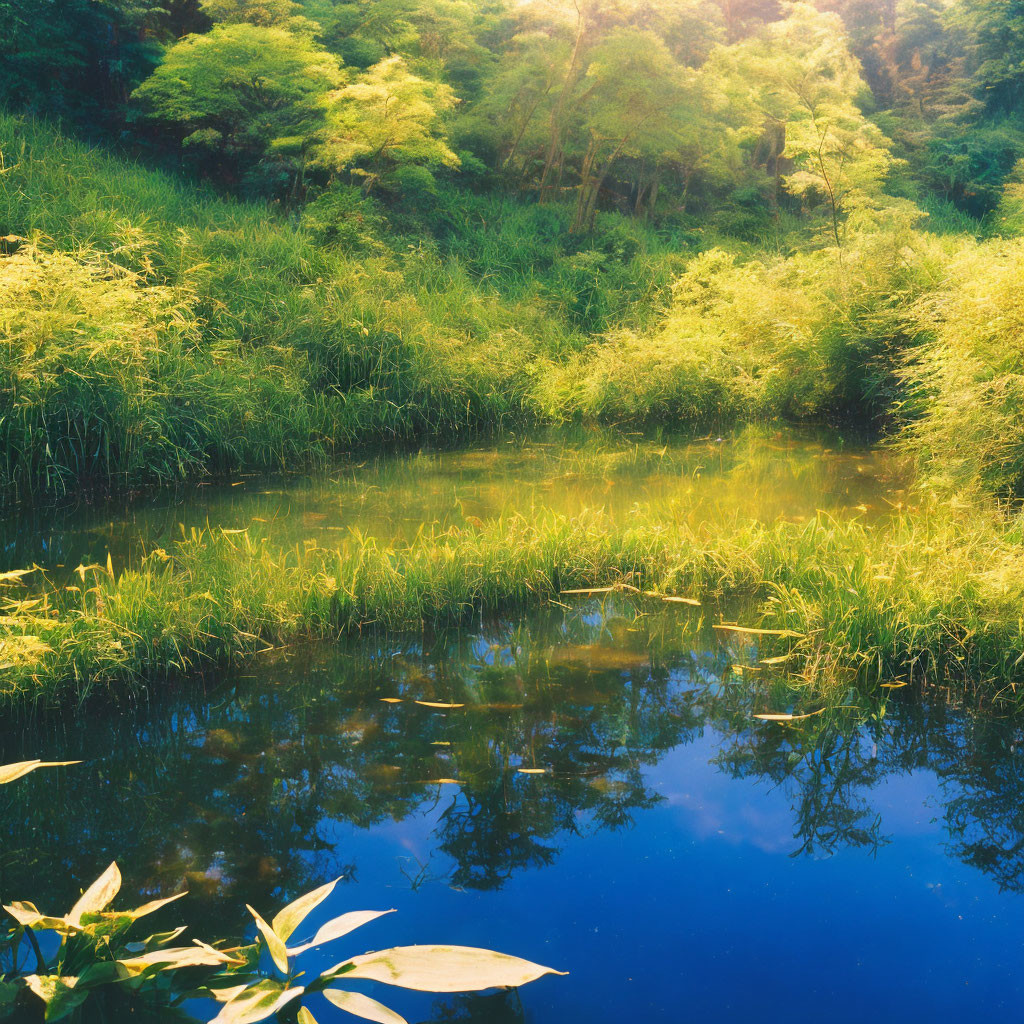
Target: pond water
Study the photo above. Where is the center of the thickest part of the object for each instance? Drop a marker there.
(757, 473)
(603, 801)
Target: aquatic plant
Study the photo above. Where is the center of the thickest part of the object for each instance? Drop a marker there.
(95, 957)
(935, 592)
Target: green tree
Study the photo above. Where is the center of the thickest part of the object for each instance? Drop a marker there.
(795, 86)
(387, 120)
(265, 13)
(634, 91)
(242, 94)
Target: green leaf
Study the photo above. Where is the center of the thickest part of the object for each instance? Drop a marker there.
(11, 772)
(9, 992)
(303, 1016)
(275, 944)
(97, 897)
(60, 995)
(175, 958)
(339, 926)
(257, 1002)
(153, 906)
(26, 914)
(443, 968)
(363, 1006)
(297, 911)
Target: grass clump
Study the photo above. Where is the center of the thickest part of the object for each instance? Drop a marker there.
(337, 348)
(104, 381)
(813, 336)
(936, 595)
(967, 381)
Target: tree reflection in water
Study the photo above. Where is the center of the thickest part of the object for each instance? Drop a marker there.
(239, 792)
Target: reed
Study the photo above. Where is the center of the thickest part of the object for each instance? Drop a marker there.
(934, 596)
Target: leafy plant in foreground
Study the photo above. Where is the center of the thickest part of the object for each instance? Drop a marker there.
(424, 968)
(93, 952)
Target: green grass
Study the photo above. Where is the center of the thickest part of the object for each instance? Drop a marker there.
(936, 596)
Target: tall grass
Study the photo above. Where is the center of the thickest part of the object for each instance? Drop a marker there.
(818, 335)
(334, 349)
(936, 595)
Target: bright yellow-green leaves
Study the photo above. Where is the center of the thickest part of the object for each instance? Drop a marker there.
(102, 956)
(386, 119)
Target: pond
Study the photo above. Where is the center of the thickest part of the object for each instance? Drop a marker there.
(758, 473)
(598, 795)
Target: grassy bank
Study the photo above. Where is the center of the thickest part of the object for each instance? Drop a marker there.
(152, 331)
(937, 596)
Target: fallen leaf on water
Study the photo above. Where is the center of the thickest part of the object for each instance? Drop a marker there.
(532, 771)
(788, 717)
(440, 743)
(730, 627)
(438, 704)
(392, 700)
(778, 660)
(442, 782)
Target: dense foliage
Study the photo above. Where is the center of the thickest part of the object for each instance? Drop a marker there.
(388, 219)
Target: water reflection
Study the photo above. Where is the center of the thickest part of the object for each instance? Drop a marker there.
(759, 473)
(270, 783)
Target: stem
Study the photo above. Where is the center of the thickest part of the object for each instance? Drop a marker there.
(40, 962)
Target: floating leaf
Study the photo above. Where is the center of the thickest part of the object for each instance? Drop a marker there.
(98, 896)
(532, 771)
(785, 717)
(287, 920)
(443, 968)
(438, 704)
(392, 700)
(363, 1006)
(729, 627)
(11, 772)
(339, 926)
(305, 1017)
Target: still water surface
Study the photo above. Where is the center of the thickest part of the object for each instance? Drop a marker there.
(681, 859)
(758, 473)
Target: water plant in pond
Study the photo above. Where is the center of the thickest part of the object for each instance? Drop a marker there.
(95, 957)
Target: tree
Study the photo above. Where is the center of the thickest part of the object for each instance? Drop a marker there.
(633, 90)
(795, 85)
(995, 31)
(243, 92)
(77, 59)
(386, 120)
(265, 13)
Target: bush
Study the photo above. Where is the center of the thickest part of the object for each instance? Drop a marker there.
(967, 380)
